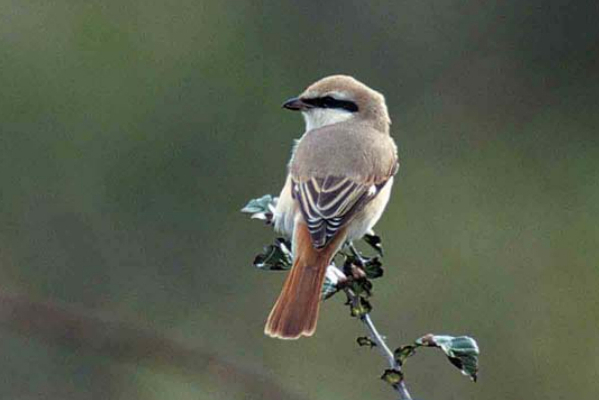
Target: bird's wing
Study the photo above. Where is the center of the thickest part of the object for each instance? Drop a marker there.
(327, 204)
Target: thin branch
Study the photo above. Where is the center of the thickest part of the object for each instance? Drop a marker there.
(386, 352)
(354, 280)
(377, 338)
(62, 325)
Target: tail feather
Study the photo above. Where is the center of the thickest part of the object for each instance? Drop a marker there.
(296, 311)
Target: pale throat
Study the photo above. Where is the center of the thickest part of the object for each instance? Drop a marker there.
(319, 117)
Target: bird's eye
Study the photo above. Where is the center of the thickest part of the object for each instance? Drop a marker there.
(328, 102)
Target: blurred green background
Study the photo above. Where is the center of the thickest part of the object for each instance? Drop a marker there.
(132, 132)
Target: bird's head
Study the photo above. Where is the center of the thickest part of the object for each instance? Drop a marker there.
(340, 98)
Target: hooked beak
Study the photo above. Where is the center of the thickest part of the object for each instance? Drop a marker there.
(295, 104)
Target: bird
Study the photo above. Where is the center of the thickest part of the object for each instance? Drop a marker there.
(338, 185)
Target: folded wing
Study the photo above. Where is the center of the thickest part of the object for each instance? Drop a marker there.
(327, 204)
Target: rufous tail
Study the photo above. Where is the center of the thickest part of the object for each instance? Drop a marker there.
(296, 311)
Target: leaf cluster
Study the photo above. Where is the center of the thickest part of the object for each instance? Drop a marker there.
(354, 278)
(461, 351)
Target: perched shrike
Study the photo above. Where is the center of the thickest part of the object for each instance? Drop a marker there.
(340, 177)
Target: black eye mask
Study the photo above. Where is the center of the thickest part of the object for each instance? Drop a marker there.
(330, 102)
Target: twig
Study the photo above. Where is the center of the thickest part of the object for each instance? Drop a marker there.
(400, 387)
(386, 352)
(354, 280)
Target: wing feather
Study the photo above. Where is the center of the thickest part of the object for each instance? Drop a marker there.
(328, 203)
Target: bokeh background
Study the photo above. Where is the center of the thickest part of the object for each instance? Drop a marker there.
(132, 132)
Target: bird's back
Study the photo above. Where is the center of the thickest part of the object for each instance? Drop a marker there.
(344, 149)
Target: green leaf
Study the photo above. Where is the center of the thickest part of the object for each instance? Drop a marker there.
(392, 376)
(365, 341)
(335, 280)
(261, 208)
(275, 257)
(329, 288)
(375, 242)
(462, 351)
(373, 268)
(360, 307)
(402, 353)
(360, 286)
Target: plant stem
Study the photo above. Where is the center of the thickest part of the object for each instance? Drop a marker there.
(388, 354)
(400, 387)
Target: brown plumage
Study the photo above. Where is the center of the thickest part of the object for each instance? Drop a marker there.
(339, 182)
(296, 311)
